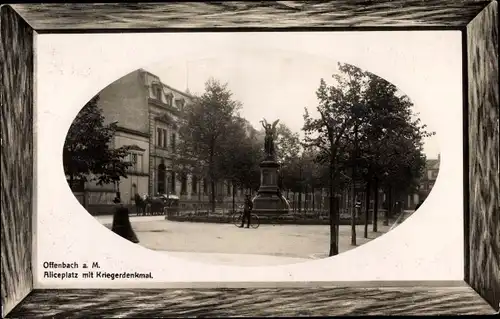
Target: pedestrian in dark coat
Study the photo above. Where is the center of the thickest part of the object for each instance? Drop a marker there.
(121, 222)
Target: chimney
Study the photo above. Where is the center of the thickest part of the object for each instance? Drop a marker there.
(439, 157)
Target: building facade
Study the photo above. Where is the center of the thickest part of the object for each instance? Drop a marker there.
(426, 182)
(147, 113)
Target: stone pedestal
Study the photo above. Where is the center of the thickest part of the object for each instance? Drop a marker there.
(267, 201)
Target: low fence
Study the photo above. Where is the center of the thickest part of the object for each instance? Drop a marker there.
(309, 218)
(289, 220)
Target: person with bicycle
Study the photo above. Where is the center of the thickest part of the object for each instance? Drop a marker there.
(247, 211)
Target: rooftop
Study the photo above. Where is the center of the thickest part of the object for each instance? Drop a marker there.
(187, 93)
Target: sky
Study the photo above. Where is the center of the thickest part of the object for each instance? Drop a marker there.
(275, 85)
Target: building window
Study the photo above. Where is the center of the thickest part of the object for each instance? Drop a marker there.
(194, 184)
(159, 133)
(183, 183)
(228, 189)
(169, 99)
(164, 142)
(434, 174)
(158, 92)
(133, 158)
(173, 142)
(161, 139)
(180, 104)
(205, 186)
(161, 179)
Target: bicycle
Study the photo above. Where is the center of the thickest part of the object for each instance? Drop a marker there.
(254, 220)
(233, 216)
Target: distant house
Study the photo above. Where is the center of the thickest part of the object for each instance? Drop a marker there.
(426, 182)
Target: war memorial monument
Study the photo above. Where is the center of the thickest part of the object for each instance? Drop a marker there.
(269, 200)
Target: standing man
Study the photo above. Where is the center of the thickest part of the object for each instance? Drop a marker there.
(247, 211)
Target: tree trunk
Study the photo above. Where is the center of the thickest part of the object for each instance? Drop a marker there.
(212, 195)
(388, 210)
(367, 206)
(299, 202)
(353, 216)
(234, 204)
(294, 204)
(199, 194)
(211, 174)
(301, 189)
(375, 206)
(306, 200)
(334, 247)
(353, 180)
(313, 201)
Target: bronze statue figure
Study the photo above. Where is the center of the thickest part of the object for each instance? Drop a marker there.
(270, 137)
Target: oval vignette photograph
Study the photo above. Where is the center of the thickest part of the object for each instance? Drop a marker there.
(251, 159)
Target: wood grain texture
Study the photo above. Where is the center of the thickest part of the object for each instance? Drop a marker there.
(262, 14)
(484, 150)
(250, 302)
(16, 126)
(17, 157)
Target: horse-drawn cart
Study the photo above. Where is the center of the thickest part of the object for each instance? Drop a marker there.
(165, 204)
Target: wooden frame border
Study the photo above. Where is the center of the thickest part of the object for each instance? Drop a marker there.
(478, 22)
